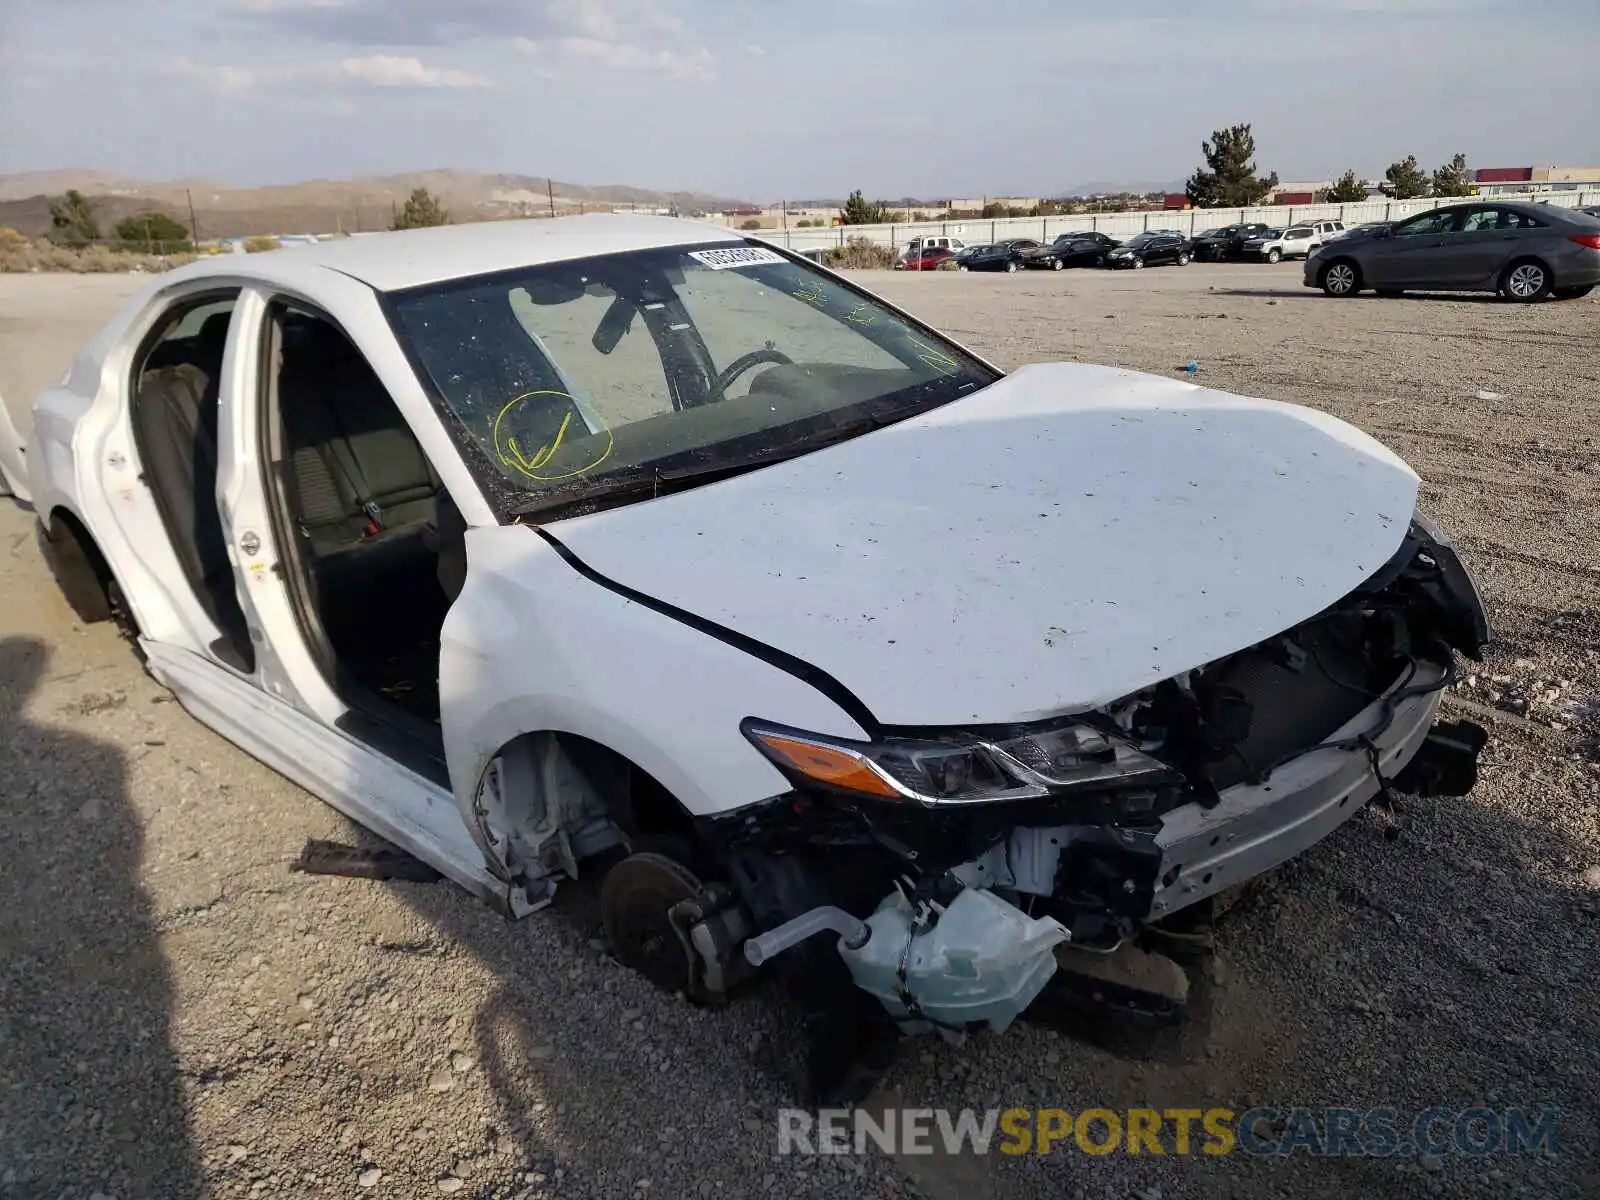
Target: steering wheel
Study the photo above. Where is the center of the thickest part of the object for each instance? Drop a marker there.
(743, 363)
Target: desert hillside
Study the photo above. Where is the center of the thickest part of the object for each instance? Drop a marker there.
(321, 205)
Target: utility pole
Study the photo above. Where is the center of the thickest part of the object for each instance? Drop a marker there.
(783, 206)
(550, 192)
(194, 226)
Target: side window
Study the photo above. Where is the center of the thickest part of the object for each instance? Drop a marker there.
(1485, 219)
(191, 333)
(1438, 221)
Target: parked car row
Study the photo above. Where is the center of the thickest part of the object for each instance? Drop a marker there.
(1523, 251)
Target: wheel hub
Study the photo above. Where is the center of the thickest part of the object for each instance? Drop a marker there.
(1526, 280)
(635, 906)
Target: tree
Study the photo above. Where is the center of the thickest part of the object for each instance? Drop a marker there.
(1231, 182)
(1347, 189)
(857, 211)
(1453, 179)
(420, 210)
(153, 231)
(1406, 180)
(72, 220)
(752, 223)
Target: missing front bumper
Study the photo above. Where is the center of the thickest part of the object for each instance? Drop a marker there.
(1256, 827)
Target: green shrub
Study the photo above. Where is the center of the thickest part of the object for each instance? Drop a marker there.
(26, 256)
(153, 233)
(260, 245)
(860, 254)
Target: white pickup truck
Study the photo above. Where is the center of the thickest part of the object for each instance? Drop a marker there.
(1297, 241)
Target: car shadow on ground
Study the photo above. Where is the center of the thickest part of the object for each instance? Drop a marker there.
(1316, 294)
(92, 1101)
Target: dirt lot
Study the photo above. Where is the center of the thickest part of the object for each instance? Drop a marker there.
(181, 1016)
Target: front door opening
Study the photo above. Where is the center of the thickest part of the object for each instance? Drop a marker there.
(359, 507)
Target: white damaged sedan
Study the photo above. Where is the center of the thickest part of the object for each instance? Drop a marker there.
(634, 546)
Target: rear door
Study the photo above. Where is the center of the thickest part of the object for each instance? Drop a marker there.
(1489, 238)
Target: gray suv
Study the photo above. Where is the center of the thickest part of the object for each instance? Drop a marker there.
(1523, 251)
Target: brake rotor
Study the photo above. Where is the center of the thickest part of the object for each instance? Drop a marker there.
(635, 905)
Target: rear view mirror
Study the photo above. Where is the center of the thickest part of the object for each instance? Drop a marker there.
(614, 325)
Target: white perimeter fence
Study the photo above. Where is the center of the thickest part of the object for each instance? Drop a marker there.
(1126, 224)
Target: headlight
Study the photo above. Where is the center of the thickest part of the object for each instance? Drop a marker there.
(1470, 631)
(1046, 762)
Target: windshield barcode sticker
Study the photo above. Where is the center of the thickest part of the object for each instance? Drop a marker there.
(736, 256)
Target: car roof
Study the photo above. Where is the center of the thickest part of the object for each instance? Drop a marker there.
(414, 257)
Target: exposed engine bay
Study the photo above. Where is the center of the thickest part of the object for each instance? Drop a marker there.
(938, 890)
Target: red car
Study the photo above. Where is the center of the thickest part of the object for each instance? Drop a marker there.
(925, 260)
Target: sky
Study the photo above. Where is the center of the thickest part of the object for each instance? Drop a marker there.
(768, 99)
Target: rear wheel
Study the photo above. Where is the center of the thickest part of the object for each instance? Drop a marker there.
(1525, 281)
(1340, 278)
(1274, 255)
(1573, 293)
(1011, 267)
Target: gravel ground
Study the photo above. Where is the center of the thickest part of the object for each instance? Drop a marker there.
(182, 1016)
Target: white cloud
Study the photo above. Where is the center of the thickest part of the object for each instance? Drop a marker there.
(680, 62)
(272, 6)
(394, 71)
(374, 71)
(221, 78)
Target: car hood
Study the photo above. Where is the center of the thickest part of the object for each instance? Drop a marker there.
(1058, 540)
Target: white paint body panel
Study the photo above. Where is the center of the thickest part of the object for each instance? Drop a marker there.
(531, 644)
(1067, 536)
(13, 466)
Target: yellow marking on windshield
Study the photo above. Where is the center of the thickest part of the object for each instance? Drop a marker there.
(939, 360)
(511, 454)
(861, 314)
(811, 292)
(544, 454)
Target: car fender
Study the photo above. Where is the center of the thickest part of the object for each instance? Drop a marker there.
(534, 645)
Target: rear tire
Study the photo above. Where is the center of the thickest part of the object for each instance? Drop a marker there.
(1340, 278)
(1572, 293)
(1525, 281)
(1011, 268)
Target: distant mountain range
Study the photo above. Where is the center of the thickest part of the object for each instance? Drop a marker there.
(323, 205)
